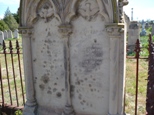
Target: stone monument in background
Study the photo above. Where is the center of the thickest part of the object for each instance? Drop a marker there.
(10, 34)
(74, 56)
(16, 34)
(152, 29)
(133, 35)
(5, 34)
(1, 37)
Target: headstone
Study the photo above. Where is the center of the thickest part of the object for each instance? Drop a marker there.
(5, 34)
(1, 37)
(74, 57)
(152, 29)
(16, 35)
(10, 34)
(143, 31)
(133, 35)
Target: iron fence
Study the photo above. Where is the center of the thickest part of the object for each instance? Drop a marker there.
(11, 77)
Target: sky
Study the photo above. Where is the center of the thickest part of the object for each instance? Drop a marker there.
(143, 9)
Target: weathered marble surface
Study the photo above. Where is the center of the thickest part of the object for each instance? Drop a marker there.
(74, 57)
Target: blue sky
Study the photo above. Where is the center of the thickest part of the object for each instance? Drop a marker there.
(143, 9)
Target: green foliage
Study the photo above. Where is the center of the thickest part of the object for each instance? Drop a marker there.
(16, 16)
(3, 26)
(10, 21)
(18, 112)
(7, 12)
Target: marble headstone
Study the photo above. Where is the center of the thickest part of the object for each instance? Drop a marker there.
(1, 37)
(10, 34)
(16, 34)
(5, 34)
(152, 30)
(133, 35)
(74, 57)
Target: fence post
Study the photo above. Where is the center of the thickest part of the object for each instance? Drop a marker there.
(150, 84)
(137, 56)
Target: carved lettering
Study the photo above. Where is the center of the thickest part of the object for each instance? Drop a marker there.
(93, 57)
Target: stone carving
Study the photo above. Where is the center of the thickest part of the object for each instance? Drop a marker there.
(10, 34)
(121, 15)
(46, 12)
(16, 35)
(89, 11)
(5, 34)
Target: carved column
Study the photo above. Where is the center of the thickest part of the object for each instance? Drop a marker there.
(116, 90)
(66, 30)
(30, 106)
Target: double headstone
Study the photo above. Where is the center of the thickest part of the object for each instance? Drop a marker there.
(16, 35)
(10, 34)
(1, 37)
(152, 29)
(133, 35)
(74, 57)
(5, 34)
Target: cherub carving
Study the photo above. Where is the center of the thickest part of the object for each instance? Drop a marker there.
(88, 12)
(46, 12)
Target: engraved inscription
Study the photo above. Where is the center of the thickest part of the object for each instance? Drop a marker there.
(93, 57)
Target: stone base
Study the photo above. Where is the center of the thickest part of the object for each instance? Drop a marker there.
(29, 110)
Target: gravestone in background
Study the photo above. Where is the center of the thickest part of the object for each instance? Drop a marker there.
(74, 56)
(10, 34)
(152, 29)
(1, 37)
(16, 34)
(127, 22)
(143, 31)
(133, 35)
(5, 34)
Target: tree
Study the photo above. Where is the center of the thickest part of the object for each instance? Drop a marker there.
(3, 26)
(9, 20)
(16, 16)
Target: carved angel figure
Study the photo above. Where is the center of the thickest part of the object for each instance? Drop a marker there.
(88, 12)
(46, 12)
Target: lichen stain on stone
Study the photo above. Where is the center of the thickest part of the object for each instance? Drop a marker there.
(54, 90)
(41, 86)
(49, 92)
(59, 95)
(45, 79)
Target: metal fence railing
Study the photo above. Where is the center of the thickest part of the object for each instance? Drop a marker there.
(11, 77)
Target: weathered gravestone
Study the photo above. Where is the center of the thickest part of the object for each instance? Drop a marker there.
(10, 34)
(5, 34)
(1, 37)
(16, 35)
(152, 29)
(133, 35)
(74, 56)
